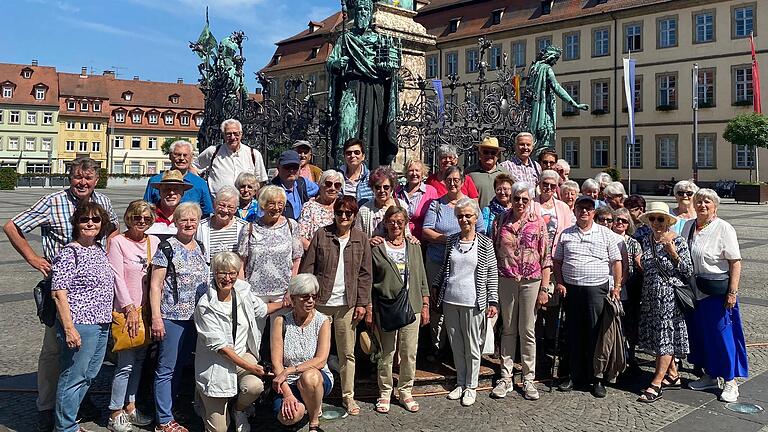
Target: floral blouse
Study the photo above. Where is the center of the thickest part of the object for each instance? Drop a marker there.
(270, 252)
(522, 248)
(191, 280)
(313, 217)
(90, 283)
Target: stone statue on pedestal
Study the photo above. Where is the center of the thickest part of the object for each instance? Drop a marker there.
(540, 93)
(363, 89)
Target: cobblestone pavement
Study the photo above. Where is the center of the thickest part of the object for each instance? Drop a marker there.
(21, 333)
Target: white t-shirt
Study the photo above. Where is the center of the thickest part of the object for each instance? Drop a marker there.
(399, 256)
(339, 292)
(460, 288)
(712, 247)
(241, 342)
(226, 166)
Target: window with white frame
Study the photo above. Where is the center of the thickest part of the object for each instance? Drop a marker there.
(96, 106)
(82, 147)
(571, 151)
(667, 90)
(600, 152)
(473, 57)
(83, 125)
(46, 144)
(638, 95)
(452, 63)
(742, 84)
(7, 91)
(136, 143)
(152, 143)
(71, 125)
(432, 68)
(96, 146)
(601, 42)
(153, 118)
(14, 117)
(518, 53)
(496, 57)
(706, 88)
(134, 167)
(572, 46)
(40, 93)
(174, 99)
(71, 105)
(13, 143)
(152, 167)
(706, 151)
(742, 23)
(543, 42)
(666, 32)
(184, 120)
(199, 120)
(704, 27)
(633, 37)
(666, 151)
(30, 143)
(96, 126)
(127, 96)
(601, 96)
(136, 117)
(633, 153)
(120, 116)
(26, 73)
(744, 157)
(573, 89)
(168, 119)
(48, 118)
(31, 117)
(117, 167)
(118, 142)
(84, 105)
(166, 166)
(38, 168)
(69, 146)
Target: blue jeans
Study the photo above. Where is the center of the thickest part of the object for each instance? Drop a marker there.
(79, 368)
(127, 375)
(175, 353)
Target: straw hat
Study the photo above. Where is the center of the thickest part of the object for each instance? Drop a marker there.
(365, 342)
(172, 178)
(658, 208)
(490, 142)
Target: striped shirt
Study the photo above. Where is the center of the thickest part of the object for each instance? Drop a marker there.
(521, 172)
(586, 257)
(52, 214)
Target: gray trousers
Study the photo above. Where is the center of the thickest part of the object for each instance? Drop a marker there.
(465, 328)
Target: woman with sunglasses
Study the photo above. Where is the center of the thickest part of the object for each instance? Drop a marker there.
(397, 266)
(228, 339)
(130, 255)
(524, 262)
(83, 287)
(633, 280)
(666, 263)
(318, 211)
(500, 203)
(370, 221)
(417, 194)
(685, 210)
(339, 255)
(248, 207)
(301, 341)
(219, 233)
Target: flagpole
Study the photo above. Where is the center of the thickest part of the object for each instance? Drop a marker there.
(756, 102)
(630, 137)
(695, 106)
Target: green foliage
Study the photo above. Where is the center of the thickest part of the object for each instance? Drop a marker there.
(102, 182)
(166, 147)
(8, 176)
(747, 129)
(614, 173)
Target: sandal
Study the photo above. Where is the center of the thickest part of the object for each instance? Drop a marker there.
(316, 428)
(649, 397)
(410, 404)
(352, 407)
(382, 406)
(670, 383)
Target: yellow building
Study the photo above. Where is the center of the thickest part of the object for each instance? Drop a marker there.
(83, 118)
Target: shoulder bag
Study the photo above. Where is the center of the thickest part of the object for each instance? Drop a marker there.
(713, 285)
(120, 338)
(684, 296)
(396, 313)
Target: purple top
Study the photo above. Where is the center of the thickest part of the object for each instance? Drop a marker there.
(90, 284)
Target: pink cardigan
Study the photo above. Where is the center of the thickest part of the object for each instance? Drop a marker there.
(416, 221)
(565, 219)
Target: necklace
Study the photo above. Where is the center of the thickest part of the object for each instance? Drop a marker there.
(704, 225)
(458, 247)
(396, 244)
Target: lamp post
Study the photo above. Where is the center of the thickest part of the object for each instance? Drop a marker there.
(695, 106)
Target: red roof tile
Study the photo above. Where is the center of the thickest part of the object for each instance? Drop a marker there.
(24, 88)
(154, 94)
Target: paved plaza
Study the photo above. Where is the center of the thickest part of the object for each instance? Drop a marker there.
(21, 334)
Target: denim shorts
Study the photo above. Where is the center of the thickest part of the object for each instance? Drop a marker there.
(278, 402)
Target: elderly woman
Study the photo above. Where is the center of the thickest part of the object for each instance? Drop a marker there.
(525, 265)
(556, 214)
(502, 202)
(635, 204)
(318, 211)
(171, 188)
(247, 208)
(416, 194)
(228, 340)
(179, 278)
(614, 195)
(591, 188)
(371, 217)
(340, 256)
(685, 211)
(129, 255)
(569, 191)
(448, 157)
(717, 338)
(603, 179)
(467, 292)
(633, 279)
(398, 266)
(220, 232)
(666, 263)
(440, 223)
(563, 169)
(83, 286)
(270, 248)
(301, 341)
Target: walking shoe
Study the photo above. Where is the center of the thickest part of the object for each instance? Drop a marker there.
(456, 393)
(87, 411)
(138, 418)
(730, 391)
(171, 426)
(241, 422)
(469, 397)
(598, 390)
(120, 423)
(45, 421)
(503, 387)
(529, 390)
(706, 382)
(566, 385)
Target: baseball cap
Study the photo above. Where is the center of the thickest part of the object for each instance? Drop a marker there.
(289, 157)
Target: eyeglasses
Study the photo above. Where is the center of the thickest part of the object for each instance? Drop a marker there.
(224, 206)
(303, 151)
(684, 194)
(523, 200)
(653, 219)
(385, 187)
(584, 209)
(171, 190)
(139, 218)
(237, 134)
(353, 153)
(307, 297)
(503, 189)
(465, 216)
(188, 221)
(549, 185)
(86, 219)
(547, 163)
(452, 180)
(489, 152)
(621, 221)
(226, 274)
(396, 222)
(605, 220)
(345, 213)
(330, 184)
(277, 205)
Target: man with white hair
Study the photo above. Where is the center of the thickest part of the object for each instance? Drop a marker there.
(520, 165)
(222, 164)
(180, 154)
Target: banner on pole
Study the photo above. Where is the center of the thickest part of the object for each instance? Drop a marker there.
(755, 78)
(629, 91)
(437, 84)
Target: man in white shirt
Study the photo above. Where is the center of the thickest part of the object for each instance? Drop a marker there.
(222, 164)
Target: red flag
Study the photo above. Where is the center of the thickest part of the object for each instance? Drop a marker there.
(755, 78)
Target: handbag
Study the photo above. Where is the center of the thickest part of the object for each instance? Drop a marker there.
(395, 313)
(120, 338)
(684, 295)
(46, 308)
(713, 287)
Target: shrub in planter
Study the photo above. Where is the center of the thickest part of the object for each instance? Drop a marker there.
(102, 183)
(8, 176)
(614, 173)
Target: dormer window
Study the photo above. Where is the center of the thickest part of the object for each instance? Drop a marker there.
(136, 117)
(546, 6)
(7, 91)
(127, 95)
(199, 120)
(174, 98)
(168, 119)
(496, 16)
(26, 73)
(453, 25)
(84, 105)
(96, 106)
(120, 116)
(315, 51)
(40, 93)
(314, 26)
(71, 105)
(184, 119)
(276, 59)
(153, 118)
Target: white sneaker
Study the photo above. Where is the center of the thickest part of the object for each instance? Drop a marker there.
(529, 390)
(503, 387)
(706, 382)
(730, 391)
(469, 397)
(456, 393)
(119, 424)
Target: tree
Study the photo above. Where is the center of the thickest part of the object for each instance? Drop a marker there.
(166, 147)
(748, 130)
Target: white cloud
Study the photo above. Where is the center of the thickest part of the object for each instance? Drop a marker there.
(152, 36)
(67, 7)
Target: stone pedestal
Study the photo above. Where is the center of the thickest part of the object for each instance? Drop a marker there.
(397, 22)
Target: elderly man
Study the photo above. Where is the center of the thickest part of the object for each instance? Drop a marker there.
(298, 190)
(180, 154)
(585, 258)
(52, 215)
(306, 169)
(355, 172)
(520, 165)
(486, 169)
(223, 163)
(447, 156)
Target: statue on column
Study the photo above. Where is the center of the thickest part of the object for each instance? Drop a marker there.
(540, 94)
(363, 89)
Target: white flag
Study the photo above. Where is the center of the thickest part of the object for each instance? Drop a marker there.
(629, 91)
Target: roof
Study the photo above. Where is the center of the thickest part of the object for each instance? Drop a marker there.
(24, 87)
(92, 86)
(296, 50)
(327, 26)
(148, 94)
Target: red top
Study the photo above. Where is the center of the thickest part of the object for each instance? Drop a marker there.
(468, 189)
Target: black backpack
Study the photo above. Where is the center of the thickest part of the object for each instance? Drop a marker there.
(167, 250)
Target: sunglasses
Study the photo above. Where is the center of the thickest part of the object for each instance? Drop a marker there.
(523, 200)
(685, 194)
(86, 219)
(396, 222)
(605, 220)
(584, 209)
(548, 163)
(489, 152)
(330, 184)
(385, 187)
(653, 219)
(621, 221)
(549, 186)
(465, 216)
(353, 152)
(145, 219)
(345, 213)
(308, 297)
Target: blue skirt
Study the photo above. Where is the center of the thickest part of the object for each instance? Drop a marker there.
(717, 339)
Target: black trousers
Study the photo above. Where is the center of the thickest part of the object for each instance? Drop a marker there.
(583, 309)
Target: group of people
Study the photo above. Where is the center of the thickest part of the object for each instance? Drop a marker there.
(261, 278)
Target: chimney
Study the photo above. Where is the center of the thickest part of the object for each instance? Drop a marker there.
(83, 72)
(179, 80)
(34, 62)
(109, 73)
(135, 77)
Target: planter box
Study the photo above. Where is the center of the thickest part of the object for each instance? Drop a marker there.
(754, 193)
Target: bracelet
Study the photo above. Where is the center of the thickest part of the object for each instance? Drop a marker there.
(733, 292)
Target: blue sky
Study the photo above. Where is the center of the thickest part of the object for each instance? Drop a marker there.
(148, 38)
